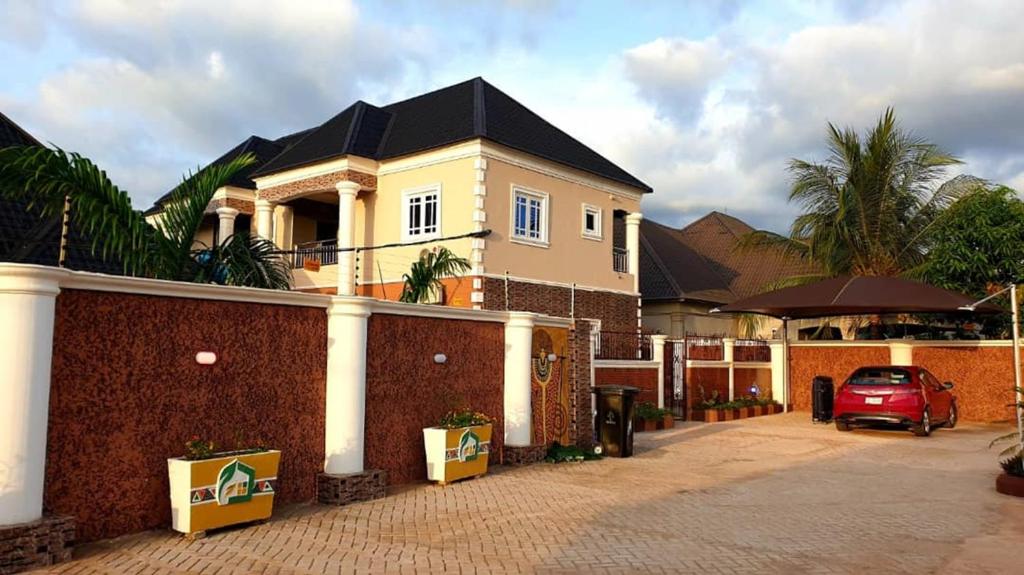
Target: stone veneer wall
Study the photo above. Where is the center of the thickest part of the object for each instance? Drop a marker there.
(123, 403)
(581, 430)
(36, 544)
(645, 378)
(617, 311)
(406, 391)
(322, 183)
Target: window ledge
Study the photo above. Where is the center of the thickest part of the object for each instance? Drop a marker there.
(593, 237)
(528, 242)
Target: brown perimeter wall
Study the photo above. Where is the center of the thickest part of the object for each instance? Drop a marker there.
(127, 393)
(406, 391)
(644, 378)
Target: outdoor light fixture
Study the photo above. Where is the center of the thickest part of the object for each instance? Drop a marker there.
(440, 358)
(206, 358)
(552, 357)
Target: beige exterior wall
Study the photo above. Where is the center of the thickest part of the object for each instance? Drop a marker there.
(569, 257)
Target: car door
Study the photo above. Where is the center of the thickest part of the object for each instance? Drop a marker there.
(938, 396)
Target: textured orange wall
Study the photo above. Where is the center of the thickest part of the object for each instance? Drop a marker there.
(711, 379)
(837, 362)
(406, 391)
(127, 393)
(983, 377)
(458, 291)
(644, 378)
(744, 378)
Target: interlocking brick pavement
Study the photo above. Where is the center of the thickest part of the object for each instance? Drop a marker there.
(764, 495)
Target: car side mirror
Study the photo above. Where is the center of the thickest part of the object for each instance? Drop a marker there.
(947, 386)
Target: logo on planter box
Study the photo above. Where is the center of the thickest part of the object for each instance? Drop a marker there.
(235, 483)
(469, 446)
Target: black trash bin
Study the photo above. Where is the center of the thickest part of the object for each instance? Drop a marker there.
(822, 396)
(614, 420)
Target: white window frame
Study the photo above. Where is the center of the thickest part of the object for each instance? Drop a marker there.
(409, 194)
(545, 216)
(596, 234)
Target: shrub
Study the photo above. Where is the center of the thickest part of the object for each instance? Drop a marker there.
(464, 417)
(1013, 466)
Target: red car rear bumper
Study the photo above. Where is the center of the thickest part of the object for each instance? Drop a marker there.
(879, 417)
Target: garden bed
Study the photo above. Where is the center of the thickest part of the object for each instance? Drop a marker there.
(730, 414)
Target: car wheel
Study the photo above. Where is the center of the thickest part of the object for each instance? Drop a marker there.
(842, 426)
(954, 415)
(923, 429)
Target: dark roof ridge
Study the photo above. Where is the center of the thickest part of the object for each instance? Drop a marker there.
(432, 92)
(665, 273)
(353, 126)
(14, 125)
(479, 108)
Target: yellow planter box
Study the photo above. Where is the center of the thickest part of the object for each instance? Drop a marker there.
(454, 454)
(223, 490)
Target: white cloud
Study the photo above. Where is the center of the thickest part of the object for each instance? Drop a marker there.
(675, 72)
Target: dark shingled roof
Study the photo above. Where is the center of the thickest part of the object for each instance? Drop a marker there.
(465, 111)
(26, 237)
(261, 148)
(700, 262)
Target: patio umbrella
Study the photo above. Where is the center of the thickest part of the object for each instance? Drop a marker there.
(858, 295)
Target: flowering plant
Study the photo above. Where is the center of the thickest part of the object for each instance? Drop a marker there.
(198, 448)
(464, 417)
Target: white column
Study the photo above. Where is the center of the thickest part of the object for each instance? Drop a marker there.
(633, 246)
(729, 355)
(518, 360)
(226, 222)
(28, 297)
(778, 354)
(285, 224)
(347, 236)
(901, 353)
(658, 352)
(265, 219)
(347, 319)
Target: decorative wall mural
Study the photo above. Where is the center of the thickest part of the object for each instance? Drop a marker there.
(550, 386)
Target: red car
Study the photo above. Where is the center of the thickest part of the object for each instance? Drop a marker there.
(901, 395)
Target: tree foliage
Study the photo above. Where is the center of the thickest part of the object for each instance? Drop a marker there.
(423, 282)
(871, 206)
(45, 177)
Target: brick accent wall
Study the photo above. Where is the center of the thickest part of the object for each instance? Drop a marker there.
(243, 206)
(126, 394)
(36, 544)
(581, 429)
(324, 183)
(617, 312)
(644, 378)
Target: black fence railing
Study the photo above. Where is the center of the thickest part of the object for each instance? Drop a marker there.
(620, 260)
(324, 252)
(623, 345)
(751, 350)
(704, 348)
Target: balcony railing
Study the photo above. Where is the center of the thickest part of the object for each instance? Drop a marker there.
(623, 345)
(751, 350)
(620, 260)
(705, 348)
(325, 252)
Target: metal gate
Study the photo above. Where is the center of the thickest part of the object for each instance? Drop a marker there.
(675, 378)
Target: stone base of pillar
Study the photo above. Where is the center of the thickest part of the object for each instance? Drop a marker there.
(341, 490)
(36, 544)
(524, 455)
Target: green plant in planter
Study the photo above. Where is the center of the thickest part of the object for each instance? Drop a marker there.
(1013, 466)
(1014, 451)
(647, 410)
(463, 417)
(559, 453)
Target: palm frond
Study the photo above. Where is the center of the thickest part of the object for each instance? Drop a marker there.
(243, 260)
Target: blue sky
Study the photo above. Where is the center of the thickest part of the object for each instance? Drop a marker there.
(705, 101)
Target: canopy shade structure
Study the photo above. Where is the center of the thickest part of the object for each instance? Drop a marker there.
(857, 296)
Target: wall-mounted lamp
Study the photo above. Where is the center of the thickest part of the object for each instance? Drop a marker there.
(440, 358)
(206, 358)
(552, 357)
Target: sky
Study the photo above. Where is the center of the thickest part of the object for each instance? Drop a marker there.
(706, 101)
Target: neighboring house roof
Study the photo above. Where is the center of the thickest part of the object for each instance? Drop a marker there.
(465, 111)
(27, 237)
(261, 148)
(701, 262)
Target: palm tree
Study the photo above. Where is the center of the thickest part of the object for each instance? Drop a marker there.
(47, 178)
(423, 282)
(870, 207)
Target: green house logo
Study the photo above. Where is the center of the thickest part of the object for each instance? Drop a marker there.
(235, 483)
(469, 446)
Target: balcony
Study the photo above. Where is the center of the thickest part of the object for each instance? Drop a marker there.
(623, 345)
(324, 252)
(620, 260)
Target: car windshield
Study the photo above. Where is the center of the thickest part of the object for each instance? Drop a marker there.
(880, 376)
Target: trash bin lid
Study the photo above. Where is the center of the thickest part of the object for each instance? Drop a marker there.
(615, 390)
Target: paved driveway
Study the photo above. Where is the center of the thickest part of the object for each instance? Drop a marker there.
(766, 495)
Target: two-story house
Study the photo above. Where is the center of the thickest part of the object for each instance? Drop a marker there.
(429, 171)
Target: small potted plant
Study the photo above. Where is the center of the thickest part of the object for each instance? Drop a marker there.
(458, 447)
(667, 420)
(1011, 480)
(211, 489)
(646, 417)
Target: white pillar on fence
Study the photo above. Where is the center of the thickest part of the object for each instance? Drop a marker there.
(347, 321)
(28, 297)
(778, 354)
(347, 236)
(265, 219)
(633, 247)
(729, 356)
(901, 353)
(518, 367)
(658, 355)
(226, 222)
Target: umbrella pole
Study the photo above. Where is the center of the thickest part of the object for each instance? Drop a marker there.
(785, 365)
(1016, 363)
